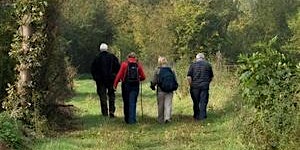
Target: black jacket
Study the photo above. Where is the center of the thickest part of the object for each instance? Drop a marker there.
(201, 74)
(105, 67)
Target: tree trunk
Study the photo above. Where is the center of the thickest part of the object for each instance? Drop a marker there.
(24, 70)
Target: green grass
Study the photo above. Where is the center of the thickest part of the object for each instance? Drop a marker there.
(97, 132)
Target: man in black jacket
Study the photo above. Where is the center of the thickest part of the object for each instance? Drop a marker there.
(199, 76)
(104, 69)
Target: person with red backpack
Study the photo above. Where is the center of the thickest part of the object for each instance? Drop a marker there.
(165, 81)
(130, 74)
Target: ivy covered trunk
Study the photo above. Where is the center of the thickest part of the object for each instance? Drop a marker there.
(23, 68)
(43, 72)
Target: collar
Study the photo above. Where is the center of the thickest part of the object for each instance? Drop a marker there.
(131, 60)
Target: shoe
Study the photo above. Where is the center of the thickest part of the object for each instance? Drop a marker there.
(167, 121)
(111, 116)
(196, 119)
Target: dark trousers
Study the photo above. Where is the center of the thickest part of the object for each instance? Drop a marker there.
(104, 91)
(200, 100)
(130, 94)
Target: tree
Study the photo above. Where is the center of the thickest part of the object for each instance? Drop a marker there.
(43, 78)
(85, 26)
(260, 21)
(202, 26)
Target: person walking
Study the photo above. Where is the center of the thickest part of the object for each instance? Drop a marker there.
(199, 76)
(130, 74)
(164, 98)
(104, 69)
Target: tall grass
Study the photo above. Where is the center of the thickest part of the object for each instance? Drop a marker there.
(98, 132)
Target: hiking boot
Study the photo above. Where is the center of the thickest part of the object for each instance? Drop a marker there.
(111, 115)
(167, 121)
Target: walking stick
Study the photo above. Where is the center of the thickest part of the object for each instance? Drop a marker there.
(142, 100)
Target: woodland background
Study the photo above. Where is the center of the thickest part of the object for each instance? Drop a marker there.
(47, 44)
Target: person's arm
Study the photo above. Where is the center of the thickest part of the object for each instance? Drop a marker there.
(116, 65)
(120, 75)
(189, 75)
(211, 73)
(153, 82)
(189, 78)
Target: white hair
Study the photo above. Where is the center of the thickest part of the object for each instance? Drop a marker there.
(200, 56)
(103, 47)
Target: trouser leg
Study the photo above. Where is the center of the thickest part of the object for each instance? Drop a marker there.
(125, 97)
(203, 103)
(168, 106)
(111, 99)
(160, 106)
(101, 91)
(133, 94)
(195, 97)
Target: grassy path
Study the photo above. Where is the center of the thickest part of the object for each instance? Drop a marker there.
(99, 133)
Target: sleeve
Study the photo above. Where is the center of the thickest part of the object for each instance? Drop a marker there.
(211, 72)
(120, 74)
(116, 65)
(190, 71)
(141, 72)
(155, 77)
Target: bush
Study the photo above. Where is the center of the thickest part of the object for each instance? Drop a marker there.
(10, 133)
(181, 69)
(269, 85)
(7, 26)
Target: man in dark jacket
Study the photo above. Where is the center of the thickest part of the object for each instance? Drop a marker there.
(104, 70)
(199, 76)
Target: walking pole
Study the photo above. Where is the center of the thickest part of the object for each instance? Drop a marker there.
(142, 100)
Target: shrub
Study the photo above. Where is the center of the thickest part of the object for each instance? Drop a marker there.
(269, 85)
(181, 69)
(10, 133)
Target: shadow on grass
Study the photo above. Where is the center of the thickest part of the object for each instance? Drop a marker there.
(214, 116)
(89, 121)
(82, 97)
(92, 121)
(84, 76)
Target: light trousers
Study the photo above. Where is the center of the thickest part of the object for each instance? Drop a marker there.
(164, 103)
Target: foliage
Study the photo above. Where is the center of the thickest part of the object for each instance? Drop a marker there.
(51, 76)
(181, 69)
(10, 132)
(175, 29)
(293, 45)
(202, 26)
(84, 25)
(57, 74)
(155, 40)
(23, 105)
(117, 12)
(7, 26)
(269, 86)
(261, 20)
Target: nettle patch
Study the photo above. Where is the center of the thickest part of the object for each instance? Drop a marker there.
(269, 84)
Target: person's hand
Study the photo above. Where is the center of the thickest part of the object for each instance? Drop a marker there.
(152, 87)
